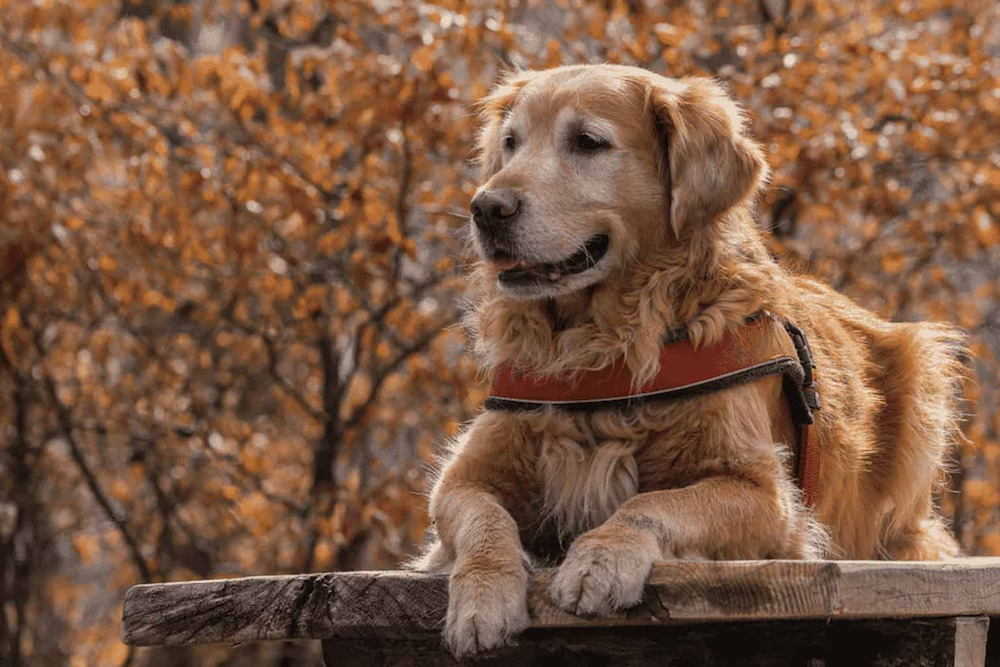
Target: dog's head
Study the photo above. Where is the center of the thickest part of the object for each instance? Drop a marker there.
(586, 168)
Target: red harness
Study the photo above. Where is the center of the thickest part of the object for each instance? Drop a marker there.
(765, 345)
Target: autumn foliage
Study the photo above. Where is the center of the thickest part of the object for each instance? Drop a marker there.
(231, 248)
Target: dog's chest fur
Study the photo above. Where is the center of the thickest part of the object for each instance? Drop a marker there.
(583, 485)
(589, 464)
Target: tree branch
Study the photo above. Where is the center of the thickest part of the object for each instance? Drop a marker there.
(419, 346)
(90, 479)
(402, 211)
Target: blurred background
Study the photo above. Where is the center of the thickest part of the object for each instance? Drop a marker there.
(231, 248)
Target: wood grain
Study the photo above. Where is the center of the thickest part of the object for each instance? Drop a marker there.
(970, 641)
(406, 605)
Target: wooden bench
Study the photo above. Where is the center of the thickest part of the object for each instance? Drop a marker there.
(803, 613)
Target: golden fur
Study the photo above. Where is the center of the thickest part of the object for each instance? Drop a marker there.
(707, 477)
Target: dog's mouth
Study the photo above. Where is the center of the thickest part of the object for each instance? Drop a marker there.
(518, 272)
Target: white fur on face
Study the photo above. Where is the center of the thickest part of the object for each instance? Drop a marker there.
(568, 196)
(568, 191)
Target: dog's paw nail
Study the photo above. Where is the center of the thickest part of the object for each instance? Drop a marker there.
(598, 582)
(484, 615)
(485, 631)
(575, 588)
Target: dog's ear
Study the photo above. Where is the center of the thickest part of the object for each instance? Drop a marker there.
(492, 110)
(707, 161)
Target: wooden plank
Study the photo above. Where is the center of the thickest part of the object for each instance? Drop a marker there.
(314, 606)
(388, 605)
(816, 643)
(970, 641)
(729, 590)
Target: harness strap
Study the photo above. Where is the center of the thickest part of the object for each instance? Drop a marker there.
(806, 401)
(765, 345)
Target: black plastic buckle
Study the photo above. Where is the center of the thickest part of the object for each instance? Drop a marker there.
(810, 393)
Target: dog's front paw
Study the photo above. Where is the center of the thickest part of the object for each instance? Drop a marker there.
(486, 608)
(603, 573)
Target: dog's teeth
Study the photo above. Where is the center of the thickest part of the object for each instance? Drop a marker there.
(555, 275)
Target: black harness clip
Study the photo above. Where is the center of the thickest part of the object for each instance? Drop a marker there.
(807, 392)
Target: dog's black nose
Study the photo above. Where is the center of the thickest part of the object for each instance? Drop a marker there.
(493, 210)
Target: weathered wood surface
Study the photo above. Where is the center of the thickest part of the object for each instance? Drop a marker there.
(970, 641)
(402, 605)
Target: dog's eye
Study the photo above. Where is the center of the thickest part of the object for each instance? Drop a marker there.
(589, 143)
(509, 142)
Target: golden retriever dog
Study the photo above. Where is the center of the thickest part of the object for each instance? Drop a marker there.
(616, 207)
